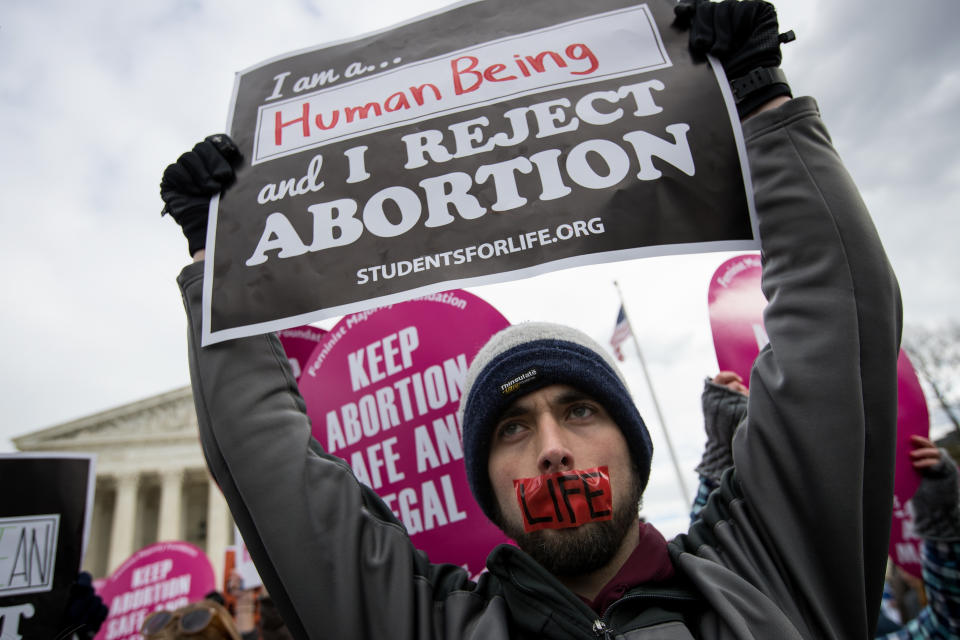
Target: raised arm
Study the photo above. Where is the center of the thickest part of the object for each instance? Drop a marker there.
(815, 458)
(334, 558)
(724, 404)
(804, 516)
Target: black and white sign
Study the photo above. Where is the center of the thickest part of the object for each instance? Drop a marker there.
(491, 141)
(44, 525)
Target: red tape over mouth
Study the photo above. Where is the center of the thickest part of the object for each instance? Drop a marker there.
(566, 499)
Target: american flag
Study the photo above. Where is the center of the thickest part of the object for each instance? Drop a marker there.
(620, 334)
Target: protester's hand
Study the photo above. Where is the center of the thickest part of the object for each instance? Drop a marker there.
(85, 611)
(189, 183)
(926, 458)
(745, 37)
(731, 380)
(936, 504)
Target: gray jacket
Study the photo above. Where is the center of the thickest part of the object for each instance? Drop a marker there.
(792, 544)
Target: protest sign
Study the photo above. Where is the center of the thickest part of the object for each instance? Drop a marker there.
(299, 343)
(165, 575)
(736, 318)
(382, 393)
(242, 564)
(912, 419)
(736, 306)
(44, 526)
(490, 141)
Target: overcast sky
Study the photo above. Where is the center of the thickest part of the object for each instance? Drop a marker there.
(97, 97)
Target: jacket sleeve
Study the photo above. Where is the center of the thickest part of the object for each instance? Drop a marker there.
(332, 555)
(723, 411)
(814, 460)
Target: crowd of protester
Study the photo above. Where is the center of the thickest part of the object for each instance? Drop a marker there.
(236, 614)
(912, 609)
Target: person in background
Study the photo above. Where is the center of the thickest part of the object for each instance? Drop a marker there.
(206, 619)
(243, 606)
(724, 403)
(936, 510)
(271, 624)
(85, 611)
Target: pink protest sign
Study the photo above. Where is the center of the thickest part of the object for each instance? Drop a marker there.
(736, 314)
(912, 419)
(165, 575)
(736, 318)
(299, 343)
(382, 393)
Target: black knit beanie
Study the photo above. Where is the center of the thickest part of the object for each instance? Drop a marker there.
(527, 357)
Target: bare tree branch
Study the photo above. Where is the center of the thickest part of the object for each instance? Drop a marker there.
(935, 354)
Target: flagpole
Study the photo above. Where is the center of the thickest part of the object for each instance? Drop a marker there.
(653, 396)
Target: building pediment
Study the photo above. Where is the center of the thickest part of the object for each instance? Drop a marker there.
(164, 418)
(152, 482)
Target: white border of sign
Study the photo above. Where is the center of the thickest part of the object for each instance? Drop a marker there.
(635, 24)
(49, 559)
(208, 337)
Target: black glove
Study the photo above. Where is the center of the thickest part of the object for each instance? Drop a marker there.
(744, 36)
(85, 611)
(189, 183)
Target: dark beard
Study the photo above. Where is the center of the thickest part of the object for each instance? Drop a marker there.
(580, 550)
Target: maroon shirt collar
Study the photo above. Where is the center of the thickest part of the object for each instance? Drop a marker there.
(649, 562)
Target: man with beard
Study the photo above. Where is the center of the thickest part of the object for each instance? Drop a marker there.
(544, 400)
(790, 545)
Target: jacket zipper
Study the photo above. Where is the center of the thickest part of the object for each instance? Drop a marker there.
(601, 630)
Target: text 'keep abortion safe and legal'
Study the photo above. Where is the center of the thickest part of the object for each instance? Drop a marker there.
(387, 412)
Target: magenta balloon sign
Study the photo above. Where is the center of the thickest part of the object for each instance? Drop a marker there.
(382, 392)
(736, 319)
(165, 575)
(736, 314)
(912, 419)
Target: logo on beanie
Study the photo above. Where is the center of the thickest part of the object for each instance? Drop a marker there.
(510, 386)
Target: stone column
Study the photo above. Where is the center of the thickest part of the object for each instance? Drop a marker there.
(219, 529)
(124, 519)
(171, 507)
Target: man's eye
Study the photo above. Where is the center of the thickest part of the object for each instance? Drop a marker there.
(581, 411)
(509, 430)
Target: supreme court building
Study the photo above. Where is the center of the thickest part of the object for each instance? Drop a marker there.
(152, 483)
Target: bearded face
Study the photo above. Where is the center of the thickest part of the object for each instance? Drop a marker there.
(558, 429)
(579, 550)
